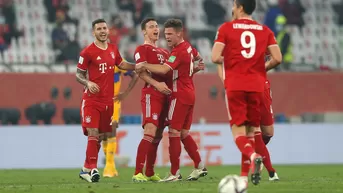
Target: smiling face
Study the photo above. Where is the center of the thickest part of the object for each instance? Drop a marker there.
(100, 32)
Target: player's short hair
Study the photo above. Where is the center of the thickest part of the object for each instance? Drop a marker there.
(145, 21)
(174, 23)
(97, 21)
(249, 6)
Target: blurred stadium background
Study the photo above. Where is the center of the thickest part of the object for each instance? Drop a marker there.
(40, 41)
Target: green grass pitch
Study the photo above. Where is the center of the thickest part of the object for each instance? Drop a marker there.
(294, 178)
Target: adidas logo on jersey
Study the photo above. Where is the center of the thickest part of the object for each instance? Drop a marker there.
(98, 58)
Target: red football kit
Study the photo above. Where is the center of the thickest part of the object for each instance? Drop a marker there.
(97, 109)
(154, 103)
(183, 95)
(245, 43)
(267, 117)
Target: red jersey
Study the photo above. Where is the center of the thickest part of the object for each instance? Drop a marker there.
(99, 64)
(181, 62)
(152, 55)
(246, 42)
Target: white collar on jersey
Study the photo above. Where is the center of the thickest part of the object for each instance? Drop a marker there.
(100, 47)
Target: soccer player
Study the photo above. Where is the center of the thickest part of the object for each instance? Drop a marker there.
(95, 70)
(154, 102)
(181, 62)
(109, 143)
(241, 45)
(266, 119)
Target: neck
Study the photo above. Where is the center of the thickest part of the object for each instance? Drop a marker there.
(102, 45)
(179, 42)
(245, 16)
(150, 42)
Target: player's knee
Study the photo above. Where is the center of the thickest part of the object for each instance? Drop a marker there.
(237, 131)
(93, 131)
(174, 132)
(268, 130)
(184, 133)
(150, 129)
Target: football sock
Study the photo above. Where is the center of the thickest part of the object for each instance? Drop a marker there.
(244, 146)
(110, 151)
(266, 139)
(151, 158)
(245, 162)
(245, 165)
(174, 153)
(143, 148)
(261, 149)
(91, 161)
(104, 146)
(192, 149)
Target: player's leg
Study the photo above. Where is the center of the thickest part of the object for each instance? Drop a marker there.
(267, 130)
(176, 117)
(150, 107)
(152, 153)
(90, 115)
(192, 148)
(238, 109)
(110, 168)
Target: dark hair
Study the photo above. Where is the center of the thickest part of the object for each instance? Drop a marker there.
(145, 21)
(249, 6)
(174, 23)
(98, 21)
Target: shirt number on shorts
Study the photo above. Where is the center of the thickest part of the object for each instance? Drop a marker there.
(248, 45)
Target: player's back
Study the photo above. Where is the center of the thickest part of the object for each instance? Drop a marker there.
(244, 54)
(152, 55)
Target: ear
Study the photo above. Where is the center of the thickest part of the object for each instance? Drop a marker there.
(144, 32)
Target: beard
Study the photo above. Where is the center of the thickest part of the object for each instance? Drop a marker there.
(101, 39)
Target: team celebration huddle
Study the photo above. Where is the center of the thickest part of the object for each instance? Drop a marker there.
(240, 50)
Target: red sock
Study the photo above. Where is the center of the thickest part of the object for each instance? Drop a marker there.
(151, 158)
(244, 146)
(263, 151)
(174, 154)
(245, 165)
(143, 148)
(192, 149)
(91, 161)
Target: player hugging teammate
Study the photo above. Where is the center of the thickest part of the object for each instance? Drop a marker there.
(245, 80)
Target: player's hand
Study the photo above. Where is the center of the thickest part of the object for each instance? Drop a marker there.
(199, 67)
(93, 87)
(139, 68)
(163, 88)
(120, 97)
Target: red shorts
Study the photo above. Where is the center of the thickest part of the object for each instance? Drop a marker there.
(244, 107)
(180, 116)
(155, 110)
(96, 115)
(267, 117)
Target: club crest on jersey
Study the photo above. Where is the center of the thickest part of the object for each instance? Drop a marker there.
(154, 116)
(88, 119)
(112, 54)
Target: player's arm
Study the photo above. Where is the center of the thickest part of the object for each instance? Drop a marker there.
(160, 86)
(275, 53)
(220, 72)
(81, 73)
(156, 68)
(219, 45)
(198, 58)
(133, 82)
(125, 65)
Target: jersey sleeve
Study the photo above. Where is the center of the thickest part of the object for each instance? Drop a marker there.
(84, 61)
(195, 52)
(140, 54)
(271, 38)
(220, 36)
(174, 60)
(118, 58)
